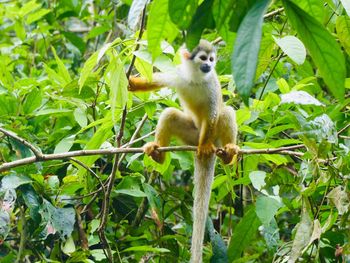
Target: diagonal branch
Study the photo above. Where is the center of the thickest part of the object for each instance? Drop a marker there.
(14, 136)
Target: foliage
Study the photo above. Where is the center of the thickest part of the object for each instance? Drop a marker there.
(63, 87)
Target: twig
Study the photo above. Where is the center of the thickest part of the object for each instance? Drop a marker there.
(143, 120)
(112, 151)
(14, 136)
(269, 76)
(116, 163)
(22, 242)
(138, 139)
(92, 172)
(275, 12)
(343, 129)
(144, 203)
(83, 239)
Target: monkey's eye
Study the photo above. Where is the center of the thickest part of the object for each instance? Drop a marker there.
(211, 59)
(203, 57)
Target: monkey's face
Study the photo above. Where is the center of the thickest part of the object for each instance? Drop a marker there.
(205, 61)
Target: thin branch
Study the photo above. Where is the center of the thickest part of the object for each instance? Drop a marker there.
(92, 172)
(138, 139)
(343, 129)
(116, 163)
(275, 12)
(112, 151)
(14, 136)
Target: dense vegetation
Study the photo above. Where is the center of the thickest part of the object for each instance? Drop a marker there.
(284, 66)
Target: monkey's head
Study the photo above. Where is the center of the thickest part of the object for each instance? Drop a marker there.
(202, 59)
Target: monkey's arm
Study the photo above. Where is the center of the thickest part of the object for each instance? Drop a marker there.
(160, 80)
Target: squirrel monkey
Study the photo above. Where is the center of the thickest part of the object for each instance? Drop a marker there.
(205, 121)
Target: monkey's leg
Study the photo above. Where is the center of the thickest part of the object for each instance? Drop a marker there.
(172, 123)
(227, 135)
(206, 145)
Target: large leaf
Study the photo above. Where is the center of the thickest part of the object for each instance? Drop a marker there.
(135, 12)
(266, 208)
(202, 19)
(302, 235)
(182, 11)
(343, 32)
(62, 70)
(323, 48)
(346, 5)
(118, 83)
(293, 47)
(244, 232)
(218, 245)
(157, 19)
(314, 8)
(246, 50)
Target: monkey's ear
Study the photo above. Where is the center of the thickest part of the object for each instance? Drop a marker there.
(185, 53)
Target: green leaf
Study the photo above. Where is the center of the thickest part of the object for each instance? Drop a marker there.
(293, 47)
(266, 208)
(346, 5)
(314, 8)
(12, 181)
(62, 70)
(147, 249)
(65, 144)
(80, 117)
(135, 12)
(246, 50)
(181, 12)
(258, 179)
(37, 15)
(77, 41)
(300, 97)
(218, 245)
(28, 7)
(240, 9)
(343, 32)
(157, 19)
(302, 235)
(203, 18)
(91, 63)
(130, 185)
(222, 11)
(32, 101)
(243, 233)
(117, 81)
(323, 48)
(59, 220)
(266, 49)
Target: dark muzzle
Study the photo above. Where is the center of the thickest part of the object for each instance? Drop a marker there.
(205, 68)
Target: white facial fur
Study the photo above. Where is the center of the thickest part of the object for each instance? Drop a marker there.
(191, 68)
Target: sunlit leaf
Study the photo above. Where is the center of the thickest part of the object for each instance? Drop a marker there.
(299, 97)
(182, 11)
(293, 47)
(323, 48)
(343, 32)
(135, 12)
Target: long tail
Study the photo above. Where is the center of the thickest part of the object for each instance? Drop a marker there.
(203, 179)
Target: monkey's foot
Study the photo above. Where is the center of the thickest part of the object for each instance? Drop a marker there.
(227, 153)
(206, 149)
(151, 149)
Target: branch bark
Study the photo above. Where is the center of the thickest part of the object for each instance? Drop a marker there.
(60, 156)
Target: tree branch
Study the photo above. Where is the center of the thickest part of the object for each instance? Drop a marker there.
(60, 156)
(14, 136)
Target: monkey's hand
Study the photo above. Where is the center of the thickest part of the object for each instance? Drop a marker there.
(205, 149)
(151, 149)
(141, 84)
(227, 153)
